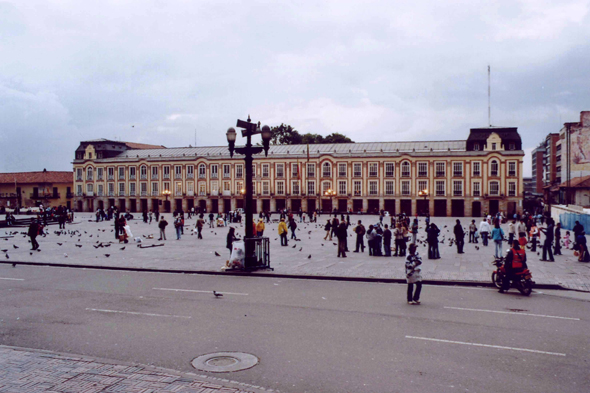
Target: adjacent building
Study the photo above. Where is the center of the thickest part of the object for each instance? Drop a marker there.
(443, 178)
(29, 189)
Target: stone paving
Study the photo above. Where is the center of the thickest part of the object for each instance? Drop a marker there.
(31, 371)
(191, 254)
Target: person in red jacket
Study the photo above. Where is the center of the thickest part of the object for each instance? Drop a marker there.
(515, 263)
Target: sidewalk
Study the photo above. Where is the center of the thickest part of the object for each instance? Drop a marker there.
(312, 256)
(32, 371)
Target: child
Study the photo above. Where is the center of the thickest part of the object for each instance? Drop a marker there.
(566, 239)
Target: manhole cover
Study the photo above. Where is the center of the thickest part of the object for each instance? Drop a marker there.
(225, 362)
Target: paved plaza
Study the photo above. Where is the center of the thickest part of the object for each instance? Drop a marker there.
(310, 256)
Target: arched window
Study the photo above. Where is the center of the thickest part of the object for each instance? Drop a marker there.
(326, 170)
(405, 169)
(202, 171)
(89, 173)
(494, 168)
(143, 172)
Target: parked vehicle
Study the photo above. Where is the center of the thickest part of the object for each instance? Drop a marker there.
(523, 281)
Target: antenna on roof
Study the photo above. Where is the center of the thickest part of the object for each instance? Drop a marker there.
(489, 98)
(195, 137)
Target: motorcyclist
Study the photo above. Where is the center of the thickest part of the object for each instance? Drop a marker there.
(515, 263)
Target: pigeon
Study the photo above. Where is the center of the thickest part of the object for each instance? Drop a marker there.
(3, 250)
(217, 254)
(30, 253)
(59, 244)
(300, 249)
(477, 248)
(7, 257)
(78, 245)
(295, 245)
(322, 244)
(15, 246)
(107, 255)
(309, 256)
(217, 294)
(335, 244)
(122, 248)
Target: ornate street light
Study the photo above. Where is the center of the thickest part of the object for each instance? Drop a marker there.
(249, 129)
(330, 193)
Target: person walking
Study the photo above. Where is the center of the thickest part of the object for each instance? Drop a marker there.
(360, 233)
(260, 228)
(335, 224)
(549, 232)
(498, 237)
(371, 237)
(472, 230)
(511, 231)
(341, 234)
(328, 229)
(414, 230)
(211, 220)
(557, 247)
(178, 226)
(459, 237)
(33, 233)
(200, 224)
(534, 233)
(283, 232)
(484, 231)
(293, 227)
(387, 241)
(231, 238)
(162, 225)
(413, 275)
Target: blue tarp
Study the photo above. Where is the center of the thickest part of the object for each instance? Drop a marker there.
(568, 220)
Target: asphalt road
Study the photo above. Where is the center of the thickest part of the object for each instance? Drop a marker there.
(310, 336)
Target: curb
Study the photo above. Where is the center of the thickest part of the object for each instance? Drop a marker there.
(275, 275)
(204, 378)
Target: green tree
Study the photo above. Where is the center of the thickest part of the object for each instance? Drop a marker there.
(336, 137)
(285, 135)
(312, 139)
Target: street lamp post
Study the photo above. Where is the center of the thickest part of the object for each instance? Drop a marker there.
(424, 193)
(249, 129)
(166, 194)
(330, 193)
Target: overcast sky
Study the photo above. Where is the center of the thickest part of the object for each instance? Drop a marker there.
(156, 71)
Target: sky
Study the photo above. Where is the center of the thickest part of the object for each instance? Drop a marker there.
(161, 71)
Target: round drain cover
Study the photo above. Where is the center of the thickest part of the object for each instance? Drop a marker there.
(225, 362)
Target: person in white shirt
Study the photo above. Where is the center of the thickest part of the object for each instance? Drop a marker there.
(484, 230)
(511, 231)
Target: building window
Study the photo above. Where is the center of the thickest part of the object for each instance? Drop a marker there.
(494, 168)
(79, 189)
(357, 187)
(190, 188)
(295, 170)
(155, 189)
(178, 172)
(239, 188)
(202, 189)
(111, 189)
(373, 189)
(357, 169)
(389, 187)
(310, 187)
(423, 185)
(111, 173)
(341, 170)
(441, 169)
(265, 170)
(494, 188)
(457, 169)
(143, 172)
(457, 188)
(405, 169)
(253, 170)
(166, 172)
(121, 173)
(214, 171)
(166, 186)
(280, 188)
(512, 189)
(511, 168)
(132, 189)
(143, 189)
(89, 189)
(373, 169)
(178, 188)
(389, 169)
(476, 189)
(190, 172)
(226, 171)
(310, 170)
(239, 171)
(406, 187)
(493, 146)
(214, 188)
(439, 188)
(476, 168)
(100, 190)
(326, 170)
(132, 173)
(79, 175)
(154, 172)
(342, 187)
(89, 173)
(202, 171)
(476, 147)
(280, 170)
(295, 188)
(100, 173)
(511, 146)
(326, 186)
(422, 169)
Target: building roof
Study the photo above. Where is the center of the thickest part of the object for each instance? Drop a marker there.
(130, 145)
(37, 177)
(577, 182)
(482, 134)
(314, 150)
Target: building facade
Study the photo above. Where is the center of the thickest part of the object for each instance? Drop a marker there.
(443, 178)
(29, 189)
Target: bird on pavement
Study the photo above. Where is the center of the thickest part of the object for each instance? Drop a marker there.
(309, 256)
(107, 255)
(122, 248)
(59, 244)
(295, 245)
(217, 254)
(217, 294)
(15, 246)
(78, 245)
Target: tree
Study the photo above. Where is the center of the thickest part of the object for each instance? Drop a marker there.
(287, 135)
(336, 137)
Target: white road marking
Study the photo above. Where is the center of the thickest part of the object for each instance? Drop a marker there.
(138, 313)
(12, 279)
(194, 290)
(487, 346)
(512, 313)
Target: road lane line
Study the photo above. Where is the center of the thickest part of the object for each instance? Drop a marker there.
(194, 290)
(487, 345)
(12, 279)
(512, 313)
(137, 313)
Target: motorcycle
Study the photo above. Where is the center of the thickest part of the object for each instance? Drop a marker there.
(523, 280)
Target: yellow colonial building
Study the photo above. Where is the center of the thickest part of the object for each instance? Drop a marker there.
(30, 189)
(482, 174)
